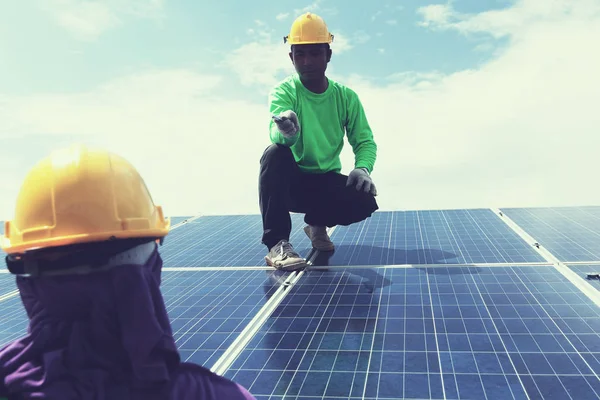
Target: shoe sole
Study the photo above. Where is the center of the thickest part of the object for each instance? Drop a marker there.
(289, 267)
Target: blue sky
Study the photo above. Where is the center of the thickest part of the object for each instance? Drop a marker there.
(472, 102)
(197, 35)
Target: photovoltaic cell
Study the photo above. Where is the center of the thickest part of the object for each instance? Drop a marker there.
(225, 241)
(434, 333)
(430, 237)
(570, 233)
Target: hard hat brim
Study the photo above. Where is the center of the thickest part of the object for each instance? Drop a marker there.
(286, 39)
(8, 248)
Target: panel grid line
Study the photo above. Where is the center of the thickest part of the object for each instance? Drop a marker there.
(561, 330)
(222, 300)
(373, 339)
(566, 338)
(208, 309)
(312, 338)
(499, 335)
(428, 237)
(468, 339)
(13, 321)
(437, 345)
(340, 345)
(373, 348)
(582, 285)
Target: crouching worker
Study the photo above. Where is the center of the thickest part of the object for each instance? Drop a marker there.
(83, 245)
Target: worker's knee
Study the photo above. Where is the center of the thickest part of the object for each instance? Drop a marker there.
(365, 206)
(347, 208)
(357, 206)
(276, 163)
(277, 153)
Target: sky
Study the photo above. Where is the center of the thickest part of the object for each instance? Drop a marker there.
(473, 103)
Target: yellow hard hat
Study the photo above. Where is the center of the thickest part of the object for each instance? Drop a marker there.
(308, 29)
(79, 195)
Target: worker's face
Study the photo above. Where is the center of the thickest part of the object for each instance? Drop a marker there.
(310, 60)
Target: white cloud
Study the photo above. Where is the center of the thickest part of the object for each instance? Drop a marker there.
(197, 151)
(312, 7)
(341, 43)
(87, 19)
(282, 16)
(519, 130)
(435, 14)
(511, 20)
(260, 63)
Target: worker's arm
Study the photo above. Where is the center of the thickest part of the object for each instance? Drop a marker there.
(281, 102)
(360, 135)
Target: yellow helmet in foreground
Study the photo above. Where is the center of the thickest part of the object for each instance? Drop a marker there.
(78, 195)
(308, 29)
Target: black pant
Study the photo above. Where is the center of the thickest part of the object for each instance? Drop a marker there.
(323, 198)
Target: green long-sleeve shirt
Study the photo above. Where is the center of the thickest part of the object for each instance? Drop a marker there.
(324, 120)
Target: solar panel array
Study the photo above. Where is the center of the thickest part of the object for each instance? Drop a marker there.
(435, 304)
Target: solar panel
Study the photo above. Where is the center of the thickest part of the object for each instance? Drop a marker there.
(225, 241)
(430, 237)
(359, 329)
(209, 309)
(433, 333)
(570, 233)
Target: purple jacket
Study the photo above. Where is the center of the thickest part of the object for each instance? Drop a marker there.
(104, 335)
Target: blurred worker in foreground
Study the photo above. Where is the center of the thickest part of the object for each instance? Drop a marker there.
(84, 246)
(300, 170)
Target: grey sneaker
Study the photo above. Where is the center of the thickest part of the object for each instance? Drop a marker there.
(283, 257)
(319, 238)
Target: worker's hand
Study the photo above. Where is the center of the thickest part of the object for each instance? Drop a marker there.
(287, 123)
(362, 181)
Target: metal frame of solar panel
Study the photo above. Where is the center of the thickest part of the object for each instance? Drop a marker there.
(433, 304)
